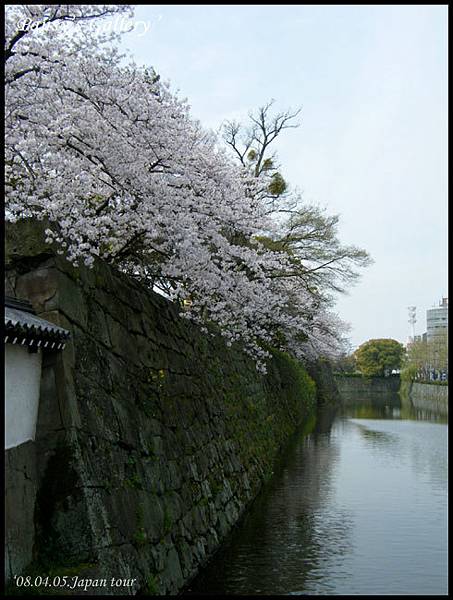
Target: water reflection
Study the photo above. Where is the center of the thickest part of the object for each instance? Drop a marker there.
(390, 406)
(373, 407)
(281, 545)
(377, 437)
(359, 507)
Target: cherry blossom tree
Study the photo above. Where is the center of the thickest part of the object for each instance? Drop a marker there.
(307, 232)
(112, 159)
(319, 265)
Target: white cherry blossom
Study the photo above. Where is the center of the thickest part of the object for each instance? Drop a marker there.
(115, 162)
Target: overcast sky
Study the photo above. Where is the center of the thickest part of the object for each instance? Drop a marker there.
(372, 146)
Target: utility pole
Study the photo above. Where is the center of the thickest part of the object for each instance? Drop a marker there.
(412, 319)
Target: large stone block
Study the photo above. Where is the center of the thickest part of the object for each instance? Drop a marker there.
(41, 287)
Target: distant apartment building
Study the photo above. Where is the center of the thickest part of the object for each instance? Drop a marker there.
(432, 357)
(420, 338)
(437, 320)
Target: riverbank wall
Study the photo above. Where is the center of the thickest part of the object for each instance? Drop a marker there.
(152, 437)
(352, 389)
(429, 397)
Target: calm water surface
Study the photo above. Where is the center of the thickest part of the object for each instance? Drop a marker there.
(360, 508)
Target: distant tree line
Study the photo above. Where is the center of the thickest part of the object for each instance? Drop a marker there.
(374, 358)
(422, 360)
(427, 360)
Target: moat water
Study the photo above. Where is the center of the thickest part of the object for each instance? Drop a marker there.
(357, 507)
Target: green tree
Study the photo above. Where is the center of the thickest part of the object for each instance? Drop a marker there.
(309, 236)
(379, 357)
(425, 356)
(416, 360)
(438, 352)
(345, 363)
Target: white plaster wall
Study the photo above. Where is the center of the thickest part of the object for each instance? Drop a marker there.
(22, 381)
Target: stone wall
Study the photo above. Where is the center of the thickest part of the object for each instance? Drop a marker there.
(352, 389)
(328, 399)
(152, 437)
(429, 397)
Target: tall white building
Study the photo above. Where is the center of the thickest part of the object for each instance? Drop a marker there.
(437, 319)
